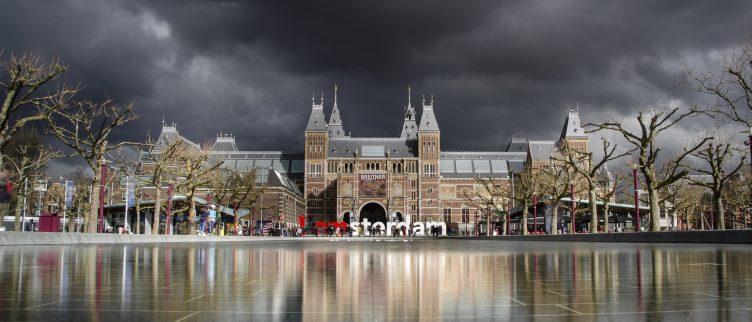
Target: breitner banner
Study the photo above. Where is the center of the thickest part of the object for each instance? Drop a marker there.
(372, 185)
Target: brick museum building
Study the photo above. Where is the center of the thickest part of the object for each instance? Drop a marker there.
(407, 177)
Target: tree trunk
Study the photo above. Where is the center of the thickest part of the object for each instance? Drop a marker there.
(720, 221)
(138, 214)
(92, 219)
(192, 215)
(593, 201)
(72, 221)
(555, 218)
(505, 228)
(655, 210)
(524, 219)
(605, 216)
(157, 208)
(19, 209)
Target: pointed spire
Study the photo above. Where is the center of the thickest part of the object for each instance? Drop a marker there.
(409, 126)
(336, 130)
(335, 94)
(409, 95)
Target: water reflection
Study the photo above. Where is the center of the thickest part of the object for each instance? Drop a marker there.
(420, 280)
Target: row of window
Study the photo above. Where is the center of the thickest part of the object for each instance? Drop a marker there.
(348, 167)
(464, 218)
(473, 166)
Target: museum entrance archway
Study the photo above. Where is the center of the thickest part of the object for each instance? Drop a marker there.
(374, 212)
(346, 217)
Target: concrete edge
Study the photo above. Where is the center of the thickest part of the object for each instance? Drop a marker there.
(709, 237)
(691, 236)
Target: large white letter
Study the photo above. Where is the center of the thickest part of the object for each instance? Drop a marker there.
(366, 227)
(389, 227)
(354, 227)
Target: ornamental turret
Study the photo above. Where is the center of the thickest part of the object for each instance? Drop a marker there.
(336, 129)
(409, 126)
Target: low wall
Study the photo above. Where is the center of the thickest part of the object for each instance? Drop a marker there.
(696, 236)
(36, 238)
(690, 236)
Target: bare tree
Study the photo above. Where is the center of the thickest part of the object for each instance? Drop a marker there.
(81, 195)
(158, 169)
(235, 189)
(491, 198)
(85, 127)
(736, 194)
(719, 161)
(30, 163)
(730, 84)
(610, 184)
(686, 202)
(24, 78)
(193, 170)
(586, 165)
(523, 185)
(652, 124)
(554, 182)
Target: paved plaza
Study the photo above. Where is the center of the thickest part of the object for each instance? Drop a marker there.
(341, 280)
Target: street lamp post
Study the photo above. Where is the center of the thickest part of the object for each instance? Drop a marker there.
(535, 213)
(572, 208)
(749, 144)
(168, 219)
(636, 196)
(102, 183)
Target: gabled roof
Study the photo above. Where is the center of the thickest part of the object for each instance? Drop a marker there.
(278, 180)
(365, 147)
(541, 150)
(428, 119)
(225, 143)
(316, 121)
(168, 134)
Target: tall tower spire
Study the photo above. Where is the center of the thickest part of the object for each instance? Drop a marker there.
(409, 126)
(336, 130)
(409, 96)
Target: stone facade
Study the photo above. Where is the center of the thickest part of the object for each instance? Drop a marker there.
(408, 178)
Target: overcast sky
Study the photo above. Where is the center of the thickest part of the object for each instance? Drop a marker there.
(497, 68)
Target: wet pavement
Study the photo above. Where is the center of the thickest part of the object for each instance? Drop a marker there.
(328, 280)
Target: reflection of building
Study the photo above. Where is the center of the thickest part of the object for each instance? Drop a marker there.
(343, 174)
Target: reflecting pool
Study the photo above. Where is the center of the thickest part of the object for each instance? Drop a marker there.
(340, 280)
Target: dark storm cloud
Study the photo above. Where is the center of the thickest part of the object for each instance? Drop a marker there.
(497, 68)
